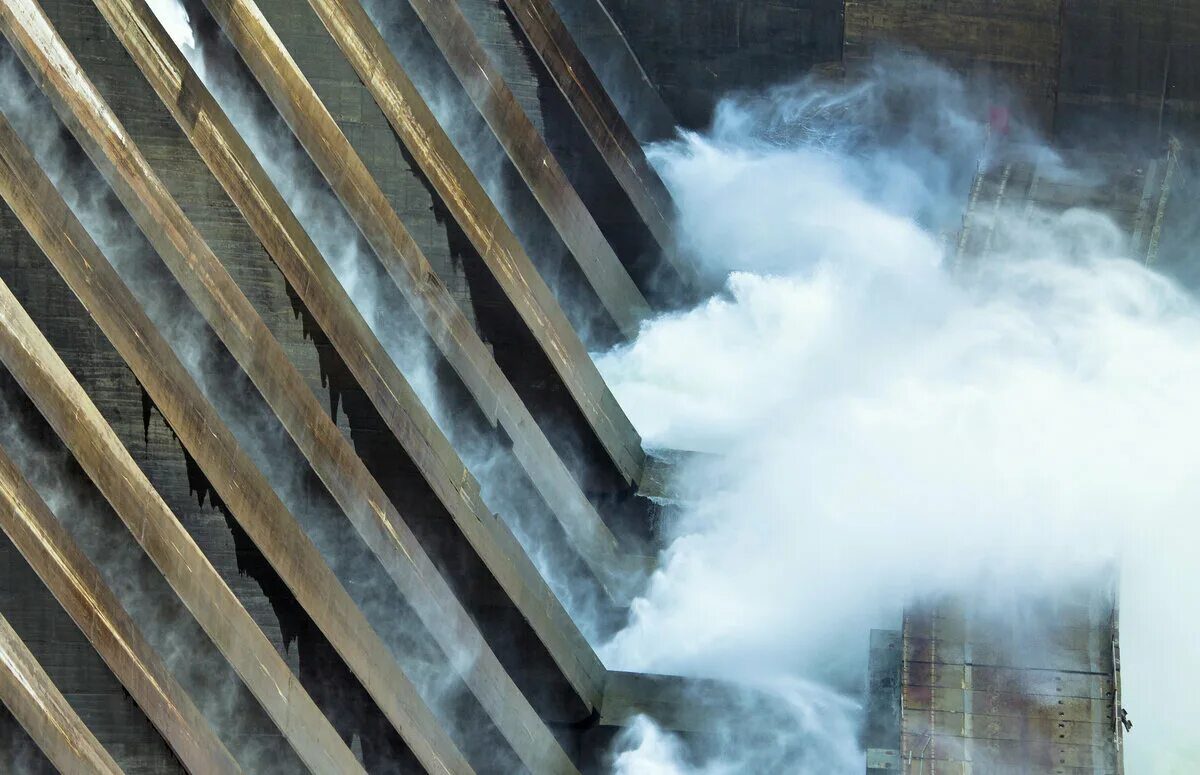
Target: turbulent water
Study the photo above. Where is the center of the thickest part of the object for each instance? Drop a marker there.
(887, 428)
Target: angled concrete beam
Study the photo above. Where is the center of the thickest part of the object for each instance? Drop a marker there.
(528, 150)
(246, 182)
(41, 709)
(604, 123)
(600, 38)
(366, 50)
(240, 485)
(284, 84)
(77, 421)
(331, 455)
(415, 124)
(449, 328)
(86, 597)
(684, 704)
(674, 703)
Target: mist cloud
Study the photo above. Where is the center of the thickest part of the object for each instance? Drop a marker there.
(888, 429)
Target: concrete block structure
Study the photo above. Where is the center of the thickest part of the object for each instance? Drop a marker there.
(295, 322)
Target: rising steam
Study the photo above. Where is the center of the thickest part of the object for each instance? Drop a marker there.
(889, 429)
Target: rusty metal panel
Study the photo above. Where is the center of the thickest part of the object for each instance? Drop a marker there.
(445, 322)
(239, 484)
(243, 178)
(604, 124)
(495, 242)
(36, 702)
(78, 586)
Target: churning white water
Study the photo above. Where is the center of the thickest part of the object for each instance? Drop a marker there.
(886, 428)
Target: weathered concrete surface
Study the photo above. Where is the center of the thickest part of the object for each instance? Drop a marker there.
(1130, 67)
(32, 698)
(239, 483)
(1116, 70)
(628, 85)
(62, 401)
(347, 478)
(475, 212)
(83, 593)
(493, 240)
(189, 181)
(980, 695)
(159, 453)
(133, 416)
(1018, 44)
(695, 53)
(569, 69)
(457, 341)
